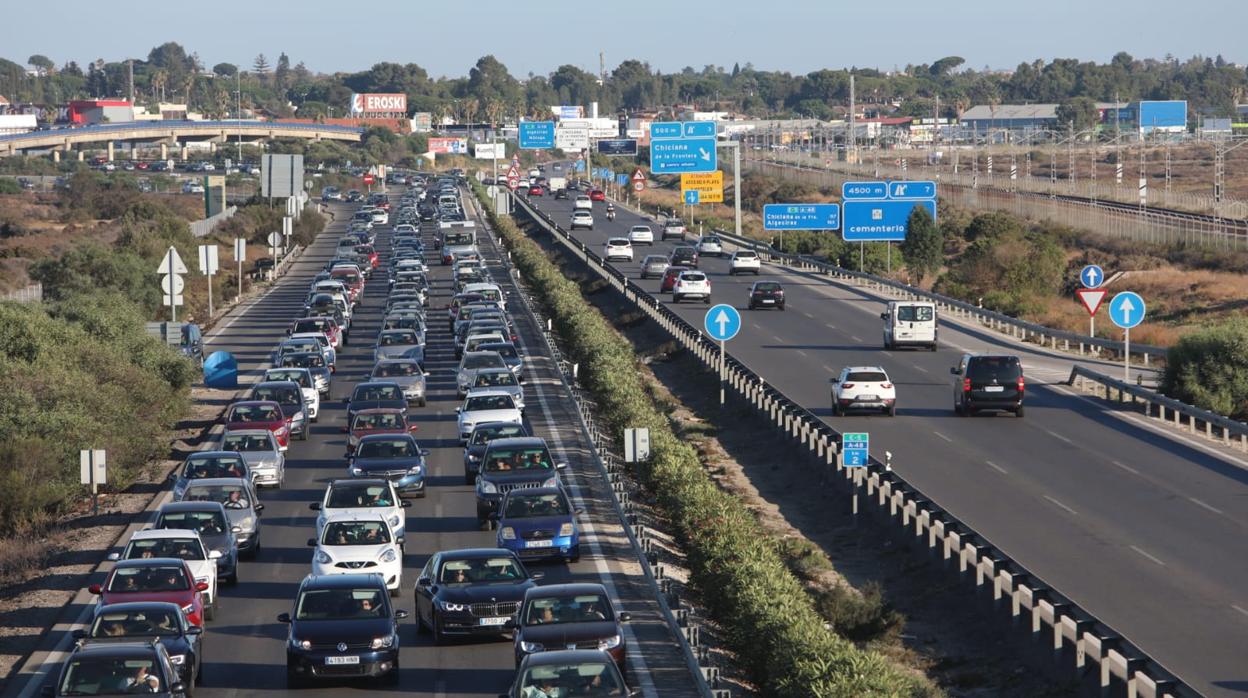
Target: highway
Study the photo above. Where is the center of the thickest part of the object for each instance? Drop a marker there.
(245, 644)
(1145, 528)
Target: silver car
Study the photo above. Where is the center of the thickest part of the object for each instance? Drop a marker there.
(238, 496)
(499, 379)
(654, 265)
(407, 373)
(260, 450)
(471, 363)
(391, 344)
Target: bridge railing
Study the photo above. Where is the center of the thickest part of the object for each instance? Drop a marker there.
(215, 125)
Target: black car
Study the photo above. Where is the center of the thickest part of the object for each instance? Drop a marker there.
(289, 396)
(988, 382)
(509, 464)
(471, 592)
(569, 616)
(568, 673)
(374, 395)
(210, 521)
(112, 668)
(396, 457)
(342, 625)
(150, 620)
(482, 435)
(766, 294)
(684, 256)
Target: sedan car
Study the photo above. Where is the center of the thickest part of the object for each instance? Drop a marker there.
(352, 542)
(209, 520)
(472, 363)
(539, 523)
(372, 395)
(392, 343)
(583, 219)
(710, 246)
(569, 616)
(289, 396)
(184, 545)
(264, 414)
(597, 195)
(238, 498)
(641, 235)
(397, 458)
(360, 496)
(201, 464)
(407, 373)
(499, 379)
(744, 261)
(863, 388)
(684, 256)
(766, 294)
(147, 621)
(342, 626)
(322, 376)
(259, 448)
(653, 265)
(115, 668)
(568, 673)
(509, 464)
(482, 435)
(471, 592)
(486, 406)
(154, 579)
(376, 421)
(306, 382)
(618, 249)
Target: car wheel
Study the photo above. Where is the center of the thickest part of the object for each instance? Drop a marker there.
(232, 580)
(576, 555)
(210, 612)
(303, 436)
(892, 410)
(707, 300)
(199, 675)
(316, 418)
(958, 409)
(675, 299)
(438, 637)
(755, 272)
(424, 401)
(1019, 412)
(750, 306)
(782, 307)
(836, 408)
(392, 677)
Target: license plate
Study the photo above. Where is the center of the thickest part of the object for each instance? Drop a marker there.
(538, 544)
(492, 621)
(994, 389)
(768, 301)
(342, 660)
(868, 398)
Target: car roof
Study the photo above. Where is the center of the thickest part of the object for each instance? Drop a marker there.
(386, 437)
(164, 533)
(475, 553)
(382, 410)
(133, 648)
(215, 481)
(488, 393)
(375, 384)
(354, 516)
(341, 581)
(567, 657)
(518, 441)
(247, 432)
(548, 590)
(275, 384)
(150, 562)
(255, 403)
(365, 481)
(213, 454)
(191, 506)
(533, 490)
(126, 606)
(866, 368)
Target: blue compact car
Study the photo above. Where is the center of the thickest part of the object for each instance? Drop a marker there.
(539, 523)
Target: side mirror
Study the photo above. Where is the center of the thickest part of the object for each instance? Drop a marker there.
(560, 466)
(510, 624)
(400, 540)
(195, 630)
(492, 516)
(459, 409)
(883, 316)
(954, 370)
(96, 589)
(114, 556)
(201, 586)
(78, 634)
(400, 614)
(424, 582)
(173, 477)
(413, 428)
(579, 512)
(259, 507)
(214, 555)
(425, 452)
(315, 506)
(283, 618)
(311, 542)
(537, 576)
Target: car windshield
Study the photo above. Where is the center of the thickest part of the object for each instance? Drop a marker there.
(282, 396)
(351, 496)
(355, 533)
(297, 376)
(485, 569)
(746, 254)
(206, 523)
(506, 460)
(866, 377)
(397, 369)
(387, 448)
(458, 239)
(232, 496)
(214, 466)
(395, 337)
(312, 326)
(915, 313)
(377, 392)
(479, 361)
(587, 679)
(586, 608)
(304, 361)
(1003, 369)
(98, 675)
(184, 548)
(493, 379)
(688, 276)
(507, 351)
(162, 578)
(147, 622)
(529, 506)
(255, 413)
(247, 442)
(340, 604)
(489, 402)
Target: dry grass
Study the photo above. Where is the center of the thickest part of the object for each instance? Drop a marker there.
(21, 556)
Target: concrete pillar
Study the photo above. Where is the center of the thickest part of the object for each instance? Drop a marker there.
(164, 151)
(56, 156)
(110, 151)
(185, 153)
(82, 155)
(212, 147)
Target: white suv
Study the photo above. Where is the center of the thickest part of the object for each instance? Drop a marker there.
(362, 497)
(691, 283)
(710, 246)
(618, 248)
(744, 261)
(583, 202)
(639, 234)
(863, 388)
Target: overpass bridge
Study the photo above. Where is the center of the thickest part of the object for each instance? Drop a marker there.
(168, 133)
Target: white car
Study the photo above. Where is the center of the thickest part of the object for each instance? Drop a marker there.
(641, 234)
(182, 544)
(863, 388)
(583, 202)
(582, 219)
(307, 386)
(362, 497)
(744, 261)
(352, 544)
(618, 248)
(486, 406)
(710, 246)
(691, 283)
(380, 217)
(327, 347)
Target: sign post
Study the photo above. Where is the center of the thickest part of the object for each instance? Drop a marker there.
(1091, 276)
(722, 322)
(636, 445)
(208, 267)
(172, 284)
(94, 473)
(240, 254)
(856, 453)
(1126, 310)
(275, 244)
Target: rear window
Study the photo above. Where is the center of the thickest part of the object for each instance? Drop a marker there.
(866, 377)
(1003, 369)
(915, 313)
(688, 276)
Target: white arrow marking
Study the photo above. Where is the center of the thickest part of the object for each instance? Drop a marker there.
(1091, 277)
(705, 155)
(722, 320)
(1126, 307)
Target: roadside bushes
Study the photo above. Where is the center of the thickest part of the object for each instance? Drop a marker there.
(770, 620)
(1209, 368)
(1013, 269)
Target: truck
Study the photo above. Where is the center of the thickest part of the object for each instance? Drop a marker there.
(559, 187)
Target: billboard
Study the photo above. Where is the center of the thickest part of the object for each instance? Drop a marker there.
(281, 175)
(455, 146)
(422, 122)
(374, 103)
(567, 112)
(1168, 116)
(618, 146)
(491, 151)
(571, 139)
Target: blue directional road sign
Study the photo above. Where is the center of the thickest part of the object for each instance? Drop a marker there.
(864, 190)
(580, 165)
(722, 322)
(691, 197)
(855, 449)
(699, 129)
(1127, 309)
(666, 129)
(801, 216)
(617, 146)
(622, 180)
(677, 155)
(1092, 276)
(537, 135)
(867, 221)
(911, 191)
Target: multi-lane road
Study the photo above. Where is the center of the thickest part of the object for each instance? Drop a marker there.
(1144, 527)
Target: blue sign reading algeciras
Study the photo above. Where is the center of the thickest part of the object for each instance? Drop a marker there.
(801, 216)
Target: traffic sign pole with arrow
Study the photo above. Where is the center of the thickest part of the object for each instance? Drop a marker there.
(1091, 276)
(1126, 310)
(722, 322)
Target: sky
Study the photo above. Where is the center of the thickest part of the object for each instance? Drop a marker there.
(537, 36)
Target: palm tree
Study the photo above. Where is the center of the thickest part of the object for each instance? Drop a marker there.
(160, 78)
(187, 85)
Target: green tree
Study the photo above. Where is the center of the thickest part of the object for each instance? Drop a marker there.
(42, 63)
(1209, 368)
(281, 74)
(924, 246)
(225, 69)
(261, 67)
(1079, 111)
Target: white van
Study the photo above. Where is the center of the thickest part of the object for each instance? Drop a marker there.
(909, 323)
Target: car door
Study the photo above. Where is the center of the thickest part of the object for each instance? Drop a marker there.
(424, 594)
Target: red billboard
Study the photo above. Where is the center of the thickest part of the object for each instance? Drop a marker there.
(374, 103)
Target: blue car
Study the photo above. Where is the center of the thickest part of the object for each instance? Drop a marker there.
(395, 457)
(539, 523)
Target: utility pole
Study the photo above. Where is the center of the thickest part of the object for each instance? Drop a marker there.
(238, 74)
(130, 69)
(851, 150)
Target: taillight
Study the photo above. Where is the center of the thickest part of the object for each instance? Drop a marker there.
(847, 385)
(1020, 383)
(887, 386)
(966, 385)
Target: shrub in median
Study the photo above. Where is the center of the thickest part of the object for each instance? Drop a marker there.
(1209, 368)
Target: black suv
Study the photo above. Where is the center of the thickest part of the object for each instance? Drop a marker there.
(988, 382)
(108, 668)
(766, 294)
(342, 625)
(510, 464)
(684, 256)
(569, 616)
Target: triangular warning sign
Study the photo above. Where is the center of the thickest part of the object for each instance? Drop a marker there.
(1091, 298)
(638, 175)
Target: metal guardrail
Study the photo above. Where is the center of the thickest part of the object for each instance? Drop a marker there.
(1025, 594)
(181, 124)
(1214, 427)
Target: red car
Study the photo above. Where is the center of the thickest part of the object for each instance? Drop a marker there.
(258, 414)
(535, 190)
(382, 420)
(352, 278)
(597, 195)
(669, 278)
(154, 579)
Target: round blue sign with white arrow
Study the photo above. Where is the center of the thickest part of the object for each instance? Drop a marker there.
(722, 322)
(1092, 276)
(1127, 309)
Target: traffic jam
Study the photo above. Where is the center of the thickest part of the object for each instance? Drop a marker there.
(156, 606)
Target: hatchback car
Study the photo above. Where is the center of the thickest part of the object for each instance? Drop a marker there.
(539, 523)
(238, 497)
(568, 673)
(581, 218)
(307, 385)
(499, 379)
(510, 464)
(154, 579)
(264, 459)
(342, 626)
(863, 388)
(202, 464)
(360, 496)
(376, 421)
(988, 382)
(148, 621)
(471, 364)
(766, 294)
(641, 235)
(315, 363)
(407, 373)
(710, 246)
(471, 592)
(182, 544)
(354, 542)
(209, 520)
(372, 395)
(264, 414)
(582, 202)
(618, 249)
(744, 262)
(482, 435)
(597, 195)
(691, 284)
(653, 265)
(569, 616)
(289, 396)
(684, 256)
(115, 668)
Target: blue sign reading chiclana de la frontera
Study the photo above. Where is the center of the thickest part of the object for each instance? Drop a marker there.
(801, 216)
(876, 221)
(679, 155)
(537, 135)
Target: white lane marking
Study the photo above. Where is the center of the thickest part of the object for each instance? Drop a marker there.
(1199, 503)
(1145, 554)
(802, 352)
(856, 338)
(1125, 467)
(996, 467)
(1063, 506)
(1058, 436)
(829, 325)
(439, 689)
(777, 338)
(946, 438)
(1239, 608)
(920, 368)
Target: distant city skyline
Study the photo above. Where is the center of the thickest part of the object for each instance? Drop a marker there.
(791, 35)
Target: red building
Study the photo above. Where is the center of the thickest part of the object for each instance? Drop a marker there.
(83, 112)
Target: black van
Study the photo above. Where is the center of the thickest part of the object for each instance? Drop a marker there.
(988, 382)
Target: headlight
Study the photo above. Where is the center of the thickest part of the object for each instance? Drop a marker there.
(531, 647)
(487, 487)
(552, 481)
(395, 521)
(566, 530)
(473, 458)
(415, 470)
(177, 659)
(323, 558)
(452, 607)
(301, 644)
(357, 471)
(507, 533)
(188, 609)
(383, 642)
(609, 643)
(389, 555)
